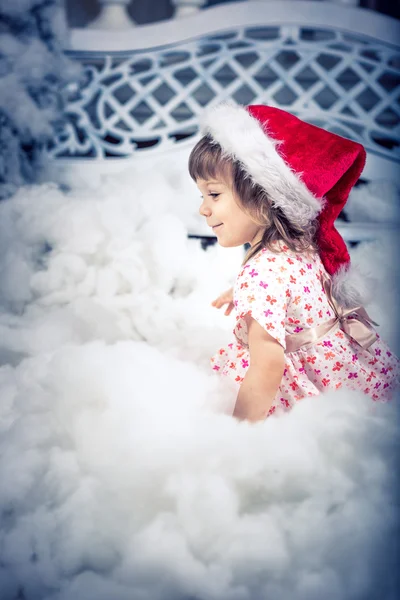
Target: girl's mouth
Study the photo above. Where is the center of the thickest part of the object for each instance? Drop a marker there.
(216, 226)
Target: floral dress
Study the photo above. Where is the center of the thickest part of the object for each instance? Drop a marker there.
(283, 292)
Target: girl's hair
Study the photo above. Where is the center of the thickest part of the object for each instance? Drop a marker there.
(208, 160)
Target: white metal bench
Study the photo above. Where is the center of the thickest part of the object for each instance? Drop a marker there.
(143, 90)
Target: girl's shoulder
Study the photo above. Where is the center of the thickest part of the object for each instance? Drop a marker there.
(283, 264)
(264, 264)
(282, 254)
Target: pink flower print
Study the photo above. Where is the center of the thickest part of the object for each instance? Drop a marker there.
(268, 312)
(263, 285)
(245, 363)
(328, 343)
(216, 368)
(290, 261)
(378, 385)
(385, 386)
(306, 289)
(309, 266)
(285, 402)
(384, 371)
(253, 273)
(230, 346)
(308, 307)
(317, 371)
(297, 329)
(239, 379)
(302, 271)
(378, 351)
(338, 366)
(354, 357)
(293, 321)
(373, 361)
(235, 303)
(326, 381)
(389, 354)
(353, 376)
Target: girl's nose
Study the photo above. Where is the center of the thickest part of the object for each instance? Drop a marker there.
(204, 210)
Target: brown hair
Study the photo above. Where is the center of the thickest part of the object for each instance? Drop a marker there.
(208, 160)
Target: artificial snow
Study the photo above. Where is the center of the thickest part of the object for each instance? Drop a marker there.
(35, 75)
(123, 475)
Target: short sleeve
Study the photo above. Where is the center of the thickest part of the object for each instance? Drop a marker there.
(262, 290)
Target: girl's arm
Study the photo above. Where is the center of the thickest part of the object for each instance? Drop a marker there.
(263, 376)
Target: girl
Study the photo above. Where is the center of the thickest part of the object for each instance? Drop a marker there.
(274, 182)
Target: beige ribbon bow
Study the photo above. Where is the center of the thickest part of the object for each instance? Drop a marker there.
(355, 322)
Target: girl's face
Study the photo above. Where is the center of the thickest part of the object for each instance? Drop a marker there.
(229, 222)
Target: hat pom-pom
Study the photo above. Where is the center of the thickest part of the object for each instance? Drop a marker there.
(350, 287)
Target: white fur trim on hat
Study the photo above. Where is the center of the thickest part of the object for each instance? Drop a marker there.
(242, 137)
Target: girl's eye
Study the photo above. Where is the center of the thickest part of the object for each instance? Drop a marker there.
(213, 195)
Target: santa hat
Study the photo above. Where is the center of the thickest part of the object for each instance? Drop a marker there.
(306, 171)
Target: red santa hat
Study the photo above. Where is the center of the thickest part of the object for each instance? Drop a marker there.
(306, 171)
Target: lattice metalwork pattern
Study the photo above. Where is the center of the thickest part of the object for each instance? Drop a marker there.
(344, 82)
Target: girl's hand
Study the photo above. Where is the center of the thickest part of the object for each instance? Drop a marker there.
(225, 298)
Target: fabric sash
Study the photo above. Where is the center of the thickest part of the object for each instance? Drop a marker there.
(355, 322)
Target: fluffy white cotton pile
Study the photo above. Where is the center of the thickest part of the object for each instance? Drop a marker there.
(123, 477)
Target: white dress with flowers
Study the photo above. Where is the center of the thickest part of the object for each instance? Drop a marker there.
(283, 292)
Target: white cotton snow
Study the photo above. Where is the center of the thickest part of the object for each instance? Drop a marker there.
(376, 202)
(123, 475)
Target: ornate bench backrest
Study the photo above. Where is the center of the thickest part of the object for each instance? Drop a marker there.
(343, 76)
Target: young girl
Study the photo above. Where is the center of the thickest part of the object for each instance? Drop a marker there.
(277, 183)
